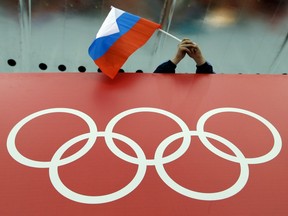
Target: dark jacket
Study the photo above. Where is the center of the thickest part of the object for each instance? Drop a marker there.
(170, 67)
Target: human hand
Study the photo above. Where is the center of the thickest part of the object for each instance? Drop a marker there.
(195, 53)
(192, 49)
(183, 48)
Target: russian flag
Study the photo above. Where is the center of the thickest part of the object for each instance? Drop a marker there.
(120, 36)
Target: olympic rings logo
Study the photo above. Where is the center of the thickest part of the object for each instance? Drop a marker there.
(158, 161)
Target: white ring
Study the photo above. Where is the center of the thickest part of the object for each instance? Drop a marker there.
(257, 160)
(11, 140)
(62, 189)
(113, 147)
(234, 189)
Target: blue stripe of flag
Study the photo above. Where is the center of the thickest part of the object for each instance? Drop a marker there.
(101, 45)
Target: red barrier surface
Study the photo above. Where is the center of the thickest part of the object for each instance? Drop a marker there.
(143, 144)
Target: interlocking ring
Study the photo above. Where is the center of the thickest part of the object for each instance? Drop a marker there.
(269, 156)
(110, 143)
(158, 161)
(11, 141)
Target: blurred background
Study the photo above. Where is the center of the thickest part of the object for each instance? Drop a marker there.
(236, 36)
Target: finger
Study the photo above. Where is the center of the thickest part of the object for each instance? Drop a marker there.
(194, 45)
(186, 50)
(186, 42)
(189, 46)
(195, 49)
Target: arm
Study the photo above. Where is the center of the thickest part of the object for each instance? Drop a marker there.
(170, 66)
(166, 67)
(203, 67)
(186, 47)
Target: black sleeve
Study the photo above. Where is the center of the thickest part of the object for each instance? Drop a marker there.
(166, 67)
(170, 67)
(205, 68)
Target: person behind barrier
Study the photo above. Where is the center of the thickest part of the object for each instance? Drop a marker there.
(193, 51)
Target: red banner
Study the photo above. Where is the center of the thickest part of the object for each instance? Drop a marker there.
(143, 144)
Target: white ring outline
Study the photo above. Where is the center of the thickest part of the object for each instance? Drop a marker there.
(150, 162)
(234, 189)
(11, 140)
(66, 192)
(257, 160)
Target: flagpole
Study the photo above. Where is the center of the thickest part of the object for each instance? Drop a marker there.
(170, 35)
